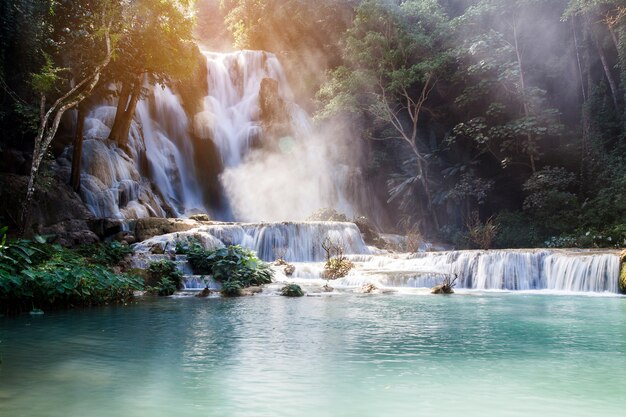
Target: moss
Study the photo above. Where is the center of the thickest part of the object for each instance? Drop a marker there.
(622, 275)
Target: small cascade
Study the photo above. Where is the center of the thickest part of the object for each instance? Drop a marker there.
(559, 270)
(294, 242)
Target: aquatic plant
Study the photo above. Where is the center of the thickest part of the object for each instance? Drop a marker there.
(167, 277)
(231, 288)
(291, 290)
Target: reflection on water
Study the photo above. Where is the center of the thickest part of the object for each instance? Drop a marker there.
(470, 355)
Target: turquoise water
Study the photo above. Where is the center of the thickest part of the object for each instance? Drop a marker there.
(348, 355)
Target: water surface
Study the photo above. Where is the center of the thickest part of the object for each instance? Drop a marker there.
(350, 355)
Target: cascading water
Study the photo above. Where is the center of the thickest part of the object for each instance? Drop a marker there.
(157, 178)
(559, 270)
(274, 169)
(294, 242)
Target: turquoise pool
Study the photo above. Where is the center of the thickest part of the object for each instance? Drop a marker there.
(476, 354)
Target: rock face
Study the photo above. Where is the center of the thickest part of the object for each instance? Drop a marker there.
(274, 114)
(57, 210)
(328, 215)
(622, 275)
(156, 226)
(370, 235)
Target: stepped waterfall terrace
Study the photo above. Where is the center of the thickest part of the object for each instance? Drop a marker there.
(590, 271)
(248, 152)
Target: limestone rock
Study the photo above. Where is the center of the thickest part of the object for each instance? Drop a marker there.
(327, 215)
(202, 217)
(57, 210)
(441, 289)
(156, 226)
(289, 269)
(369, 233)
(368, 288)
(204, 293)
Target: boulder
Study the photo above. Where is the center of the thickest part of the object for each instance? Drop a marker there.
(327, 215)
(368, 288)
(156, 226)
(204, 293)
(289, 269)
(200, 217)
(57, 210)
(369, 233)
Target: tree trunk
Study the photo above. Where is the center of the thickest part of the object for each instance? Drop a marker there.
(522, 82)
(77, 153)
(49, 125)
(126, 105)
(608, 74)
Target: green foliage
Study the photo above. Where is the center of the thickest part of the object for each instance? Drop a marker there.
(106, 254)
(231, 288)
(167, 277)
(291, 290)
(46, 276)
(549, 199)
(233, 266)
(516, 230)
(45, 81)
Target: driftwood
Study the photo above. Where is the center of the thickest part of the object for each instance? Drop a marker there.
(447, 286)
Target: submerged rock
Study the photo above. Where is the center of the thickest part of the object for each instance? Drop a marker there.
(441, 289)
(368, 288)
(204, 293)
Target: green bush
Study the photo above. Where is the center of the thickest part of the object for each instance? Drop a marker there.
(107, 254)
(35, 275)
(550, 200)
(231, 289)
(164, 277)
(233, 263)
(291, 290)
(516, 230)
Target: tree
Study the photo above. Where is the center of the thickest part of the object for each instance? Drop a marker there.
(45, 83)
(394, 58)
(515, 117)
(154, 42)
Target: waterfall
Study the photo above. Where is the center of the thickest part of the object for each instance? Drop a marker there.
(559, 270)
(157, 178)
(294, 242)
(273, 166)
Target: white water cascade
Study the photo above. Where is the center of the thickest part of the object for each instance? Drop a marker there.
(294, 242)
(531, 269)
(158, 176)
(264, 177)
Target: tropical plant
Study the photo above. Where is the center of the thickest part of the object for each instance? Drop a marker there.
(231, 288)
(166, 275)
(291, 290)
(40, 275)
